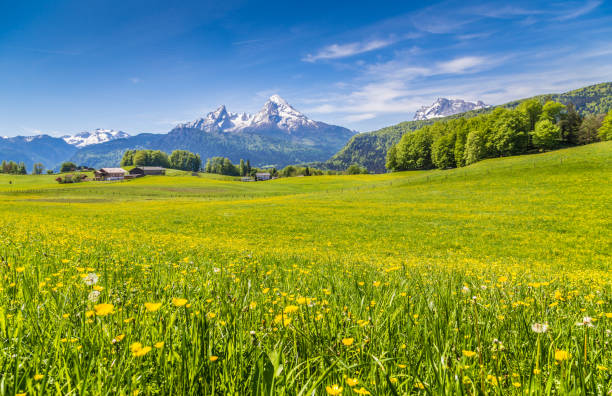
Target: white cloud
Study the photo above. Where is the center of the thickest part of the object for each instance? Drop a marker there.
(336, 51)
(461, 65)
(577, 12)
(359, 117)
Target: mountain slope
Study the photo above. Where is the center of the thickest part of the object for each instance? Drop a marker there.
(277, 135)
(48, 150)
(369, 149)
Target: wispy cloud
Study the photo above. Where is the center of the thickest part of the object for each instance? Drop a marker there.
(461, 65)
(579, 11)
(336, 51)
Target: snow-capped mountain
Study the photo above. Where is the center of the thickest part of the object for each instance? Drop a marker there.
(98, 136)
(276, 114)
(220, 120)
(443, 107)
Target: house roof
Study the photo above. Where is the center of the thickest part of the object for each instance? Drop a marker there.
(150, 168)
(262, 174)
(113, 170)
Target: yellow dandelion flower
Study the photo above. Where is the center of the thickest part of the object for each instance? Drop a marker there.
(291, 309)
(361, 391)
(159, 345)
(20, 269)
(141, 352)
(213, 358)
(561, 355)
(38, 377)
(179, 302)
(152, 307)
(103, 309)
(352, 382)
(469, 354)
(333, 390)
(348, 341)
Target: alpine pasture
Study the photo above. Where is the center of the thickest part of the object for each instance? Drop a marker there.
(493, 278)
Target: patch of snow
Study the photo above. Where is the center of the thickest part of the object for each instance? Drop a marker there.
(276, 113)
(443, 107)
(98, 136)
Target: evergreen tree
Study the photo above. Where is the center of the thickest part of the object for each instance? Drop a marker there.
(570, 125)
(38, 169)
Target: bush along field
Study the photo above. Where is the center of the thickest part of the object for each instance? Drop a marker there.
(491, 278)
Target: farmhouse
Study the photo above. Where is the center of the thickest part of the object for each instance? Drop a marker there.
(262, 176)
(147, 170)
(110, 174)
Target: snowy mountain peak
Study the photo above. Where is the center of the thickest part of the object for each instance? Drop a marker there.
(443, 107)
(98, 136)
(276, 113)
(278, 100)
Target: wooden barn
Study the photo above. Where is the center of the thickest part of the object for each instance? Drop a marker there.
(147, 170)
(110, 174)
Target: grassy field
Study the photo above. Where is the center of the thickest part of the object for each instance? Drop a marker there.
(495, 278)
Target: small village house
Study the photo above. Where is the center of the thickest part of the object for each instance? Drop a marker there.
(259, 176)
(147, 170)
(110, 174)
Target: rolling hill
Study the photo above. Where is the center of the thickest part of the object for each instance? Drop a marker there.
(370, 149)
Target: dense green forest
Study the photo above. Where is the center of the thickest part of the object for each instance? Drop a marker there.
(179, 159)
(531, 126)
(370, 149)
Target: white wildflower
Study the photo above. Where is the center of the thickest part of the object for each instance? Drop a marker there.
(539, 327)
(91, 279)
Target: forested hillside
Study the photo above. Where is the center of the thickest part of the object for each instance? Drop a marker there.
(370, 149)
(530, 127)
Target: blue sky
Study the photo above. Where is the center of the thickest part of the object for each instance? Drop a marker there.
(143, 66)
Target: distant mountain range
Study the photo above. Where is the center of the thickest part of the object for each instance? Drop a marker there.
(98, 136)
(278, 135)
(370, 149)
(443, 107)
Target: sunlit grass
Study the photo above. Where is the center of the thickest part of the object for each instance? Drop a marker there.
(493, 278)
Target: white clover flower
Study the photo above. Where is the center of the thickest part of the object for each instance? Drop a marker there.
(539, 327)
(465, 290)
(586, 321)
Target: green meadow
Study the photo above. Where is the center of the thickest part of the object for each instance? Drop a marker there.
(491, 278)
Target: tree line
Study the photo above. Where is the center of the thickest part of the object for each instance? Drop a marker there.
(178, 159)
(531, 127)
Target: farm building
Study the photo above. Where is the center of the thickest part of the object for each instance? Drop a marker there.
(262, 176)
(147, 170)
(110, 174)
